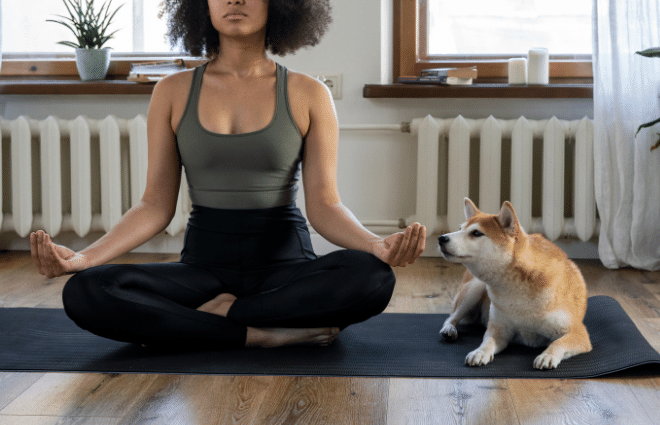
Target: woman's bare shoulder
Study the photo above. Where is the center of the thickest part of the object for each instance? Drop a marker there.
(174, 85)
(307, 85)
(308, 98)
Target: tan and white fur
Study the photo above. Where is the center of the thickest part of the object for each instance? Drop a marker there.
(522, 287)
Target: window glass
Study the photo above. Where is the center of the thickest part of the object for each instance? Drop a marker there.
(508, 27)
(25, 30)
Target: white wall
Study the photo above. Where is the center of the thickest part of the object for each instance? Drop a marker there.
(376, 169)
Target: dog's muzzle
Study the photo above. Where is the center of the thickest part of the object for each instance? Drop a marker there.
(442, 241)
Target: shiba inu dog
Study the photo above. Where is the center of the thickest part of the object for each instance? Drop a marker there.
(522, 287)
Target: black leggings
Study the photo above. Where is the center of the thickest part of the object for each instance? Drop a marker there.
(263, 257)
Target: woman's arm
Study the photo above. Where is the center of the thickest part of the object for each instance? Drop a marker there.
(329, 217)
(144, 220)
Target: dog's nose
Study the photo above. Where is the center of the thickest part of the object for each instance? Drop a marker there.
(443, 239)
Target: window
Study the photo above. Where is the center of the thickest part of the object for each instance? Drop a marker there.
(432, 33)
(25, 30)
(509, 27)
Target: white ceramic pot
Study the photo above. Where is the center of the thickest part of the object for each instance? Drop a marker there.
(93, 64)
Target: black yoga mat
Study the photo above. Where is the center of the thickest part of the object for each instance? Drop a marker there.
(388, 345)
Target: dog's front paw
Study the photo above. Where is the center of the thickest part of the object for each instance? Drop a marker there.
(478, 357)
(449, 332)
(546, 361)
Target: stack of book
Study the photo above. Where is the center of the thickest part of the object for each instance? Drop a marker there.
(151, 72)
(445, 76)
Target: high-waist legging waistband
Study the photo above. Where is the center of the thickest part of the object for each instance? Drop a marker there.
(246, 239)
(246, 221)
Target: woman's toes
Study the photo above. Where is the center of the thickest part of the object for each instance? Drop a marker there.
(329, 337)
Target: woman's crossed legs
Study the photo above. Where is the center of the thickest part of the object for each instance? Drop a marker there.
(182, 305)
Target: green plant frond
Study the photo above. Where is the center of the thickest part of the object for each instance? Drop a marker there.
(115, 12)
(78, 8)
(88, 26)
(646, 125)
(68, 8)
(57, 22)
(69, 44)
(106, 38)
(108, 19)
(90, 11)
(63, 23)
(650, 53)
(109, 36)
(75, 33)
(97, 16)
(104, 13)
(64, 17)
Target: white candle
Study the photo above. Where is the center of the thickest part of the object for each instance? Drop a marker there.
(517, 71)
(538, 66)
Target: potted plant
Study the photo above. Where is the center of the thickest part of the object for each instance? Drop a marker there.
(650, 53)
(89, 28)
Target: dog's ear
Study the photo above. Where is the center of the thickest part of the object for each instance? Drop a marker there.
(508, 219)
(470, 209)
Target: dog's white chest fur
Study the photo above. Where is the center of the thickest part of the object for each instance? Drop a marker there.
(524, 318)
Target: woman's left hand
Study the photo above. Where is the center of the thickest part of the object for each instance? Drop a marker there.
(403, 248)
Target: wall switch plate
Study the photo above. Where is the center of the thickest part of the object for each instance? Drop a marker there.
(333, 82)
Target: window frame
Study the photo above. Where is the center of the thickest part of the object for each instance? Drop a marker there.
(63, 65)
(407, 45)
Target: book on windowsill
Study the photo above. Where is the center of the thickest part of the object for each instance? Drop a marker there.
(445, 81)
(151, 72)
(465, 72)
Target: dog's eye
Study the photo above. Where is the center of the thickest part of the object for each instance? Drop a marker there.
(476, 233)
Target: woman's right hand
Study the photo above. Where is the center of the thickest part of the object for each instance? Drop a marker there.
(54, 260)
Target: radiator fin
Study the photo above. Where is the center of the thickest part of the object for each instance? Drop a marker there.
(51, 176)
(81, 177)
(553, 179)
(490, 165)
(21, 176)
(459, 172)
(110, 173)
(521, 171)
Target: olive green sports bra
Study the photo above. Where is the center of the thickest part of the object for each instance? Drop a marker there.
(252, 170)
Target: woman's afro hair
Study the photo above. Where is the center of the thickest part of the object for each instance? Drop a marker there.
(291, 25)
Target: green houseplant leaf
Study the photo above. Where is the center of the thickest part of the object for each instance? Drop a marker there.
(646, 125)
(650, 53)
(653, 52)
(88, 26)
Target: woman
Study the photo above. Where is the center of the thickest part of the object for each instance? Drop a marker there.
(242, 126)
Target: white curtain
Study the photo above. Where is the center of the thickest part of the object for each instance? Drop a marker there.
(627, 173)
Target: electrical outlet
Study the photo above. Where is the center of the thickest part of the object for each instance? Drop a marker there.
(333, 82)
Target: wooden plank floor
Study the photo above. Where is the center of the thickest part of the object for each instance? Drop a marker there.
(426, 287)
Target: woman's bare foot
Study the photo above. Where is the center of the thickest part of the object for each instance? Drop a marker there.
(219, 305)
(272, 337)
(280, 337)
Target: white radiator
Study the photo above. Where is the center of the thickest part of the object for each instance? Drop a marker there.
(81, 175)
(444, 166)
(103, 163)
